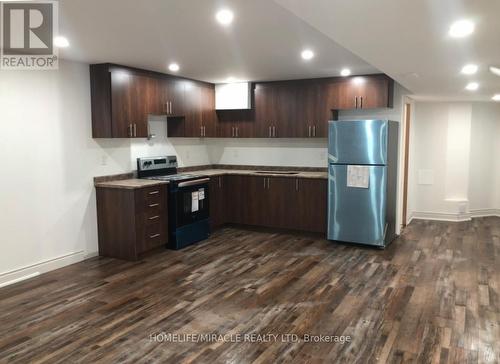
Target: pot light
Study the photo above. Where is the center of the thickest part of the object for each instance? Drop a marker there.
(496, 97)
(307, 54)
(461, 28)
(174, 67)
(495, 70)
(472, 86)
(345, 72)
(224, 16)
(469, 69)
(61, 42)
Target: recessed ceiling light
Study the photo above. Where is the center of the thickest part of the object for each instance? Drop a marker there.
(461, 28)
(495, 70)
(496, 97)
(472, 86)
(174, 67)
(345, 72)
(469, 69)
(307, 54)
(224, 16)
(61, 42)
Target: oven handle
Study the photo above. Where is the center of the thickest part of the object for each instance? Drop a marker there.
(194, 182)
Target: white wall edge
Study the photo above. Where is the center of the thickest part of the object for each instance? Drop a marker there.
(30, 271)
(454, 217)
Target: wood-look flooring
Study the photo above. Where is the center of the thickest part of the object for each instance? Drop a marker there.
(431, 296)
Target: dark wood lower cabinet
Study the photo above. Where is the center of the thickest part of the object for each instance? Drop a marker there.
(131, 221)
(277, 202)
(218, 200)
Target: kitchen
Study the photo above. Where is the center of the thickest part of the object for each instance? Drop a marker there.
(224, 194)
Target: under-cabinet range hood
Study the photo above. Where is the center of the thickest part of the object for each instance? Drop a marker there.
(233, 96)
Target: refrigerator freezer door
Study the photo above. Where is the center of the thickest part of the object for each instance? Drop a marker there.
(357, 142)
(357, 214)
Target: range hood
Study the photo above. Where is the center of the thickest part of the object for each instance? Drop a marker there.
(233, 96)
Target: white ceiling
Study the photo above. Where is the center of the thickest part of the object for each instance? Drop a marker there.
(408, 40)
(263, 43)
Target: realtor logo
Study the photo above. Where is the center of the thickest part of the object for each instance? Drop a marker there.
(27, 35)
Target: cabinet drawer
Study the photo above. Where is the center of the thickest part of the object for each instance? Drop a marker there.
(151, 199)
(155, 234)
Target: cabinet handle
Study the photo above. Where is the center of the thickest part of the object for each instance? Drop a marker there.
(170, 102)
(309, 133)
(204, 131)
(153, 192)
(314, 130)
(270, 132)
(274, 132)
(129, 130)
(268, 182)
(361, 102)
(135, 129)
(237, 131)
(201, 130)
(220, 183)
(154, 205)
(296, 184)
(154, 217)
(265, 183)
(356, 102)
(154, 236)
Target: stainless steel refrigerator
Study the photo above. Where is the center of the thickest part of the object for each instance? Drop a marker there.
(362, 181)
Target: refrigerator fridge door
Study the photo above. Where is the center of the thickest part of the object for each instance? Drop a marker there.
(357, 214)
(357, 142)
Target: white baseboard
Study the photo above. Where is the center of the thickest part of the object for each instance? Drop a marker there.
(455, 217)
(484, 212)
(36, 269)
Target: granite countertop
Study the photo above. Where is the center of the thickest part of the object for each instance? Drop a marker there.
(272, 173)
(130, 183)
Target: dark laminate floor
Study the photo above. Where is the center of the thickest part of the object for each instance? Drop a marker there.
(432, 296)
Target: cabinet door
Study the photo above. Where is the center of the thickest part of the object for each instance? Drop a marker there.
(193, 110)
(129, 104)
(265, 110)
(327, 100)
(255, 208)
(217, 201)
(285, 122)
(279, 203)
(373, 92)
(347, 95)
(208, 115)
(172, 95)
(311, 204)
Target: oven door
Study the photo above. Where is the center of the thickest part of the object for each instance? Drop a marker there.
(192, 201)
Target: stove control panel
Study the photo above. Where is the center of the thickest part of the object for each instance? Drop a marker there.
(152, 163)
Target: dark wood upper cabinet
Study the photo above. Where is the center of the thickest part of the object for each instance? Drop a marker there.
(365, 92)
(123, 97)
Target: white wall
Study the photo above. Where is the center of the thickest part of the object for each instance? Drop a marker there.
(48, 162)
(454, 164)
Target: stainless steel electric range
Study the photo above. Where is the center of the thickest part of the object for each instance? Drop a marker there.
(188, 200)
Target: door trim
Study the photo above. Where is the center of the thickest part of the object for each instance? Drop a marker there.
(407, 125)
